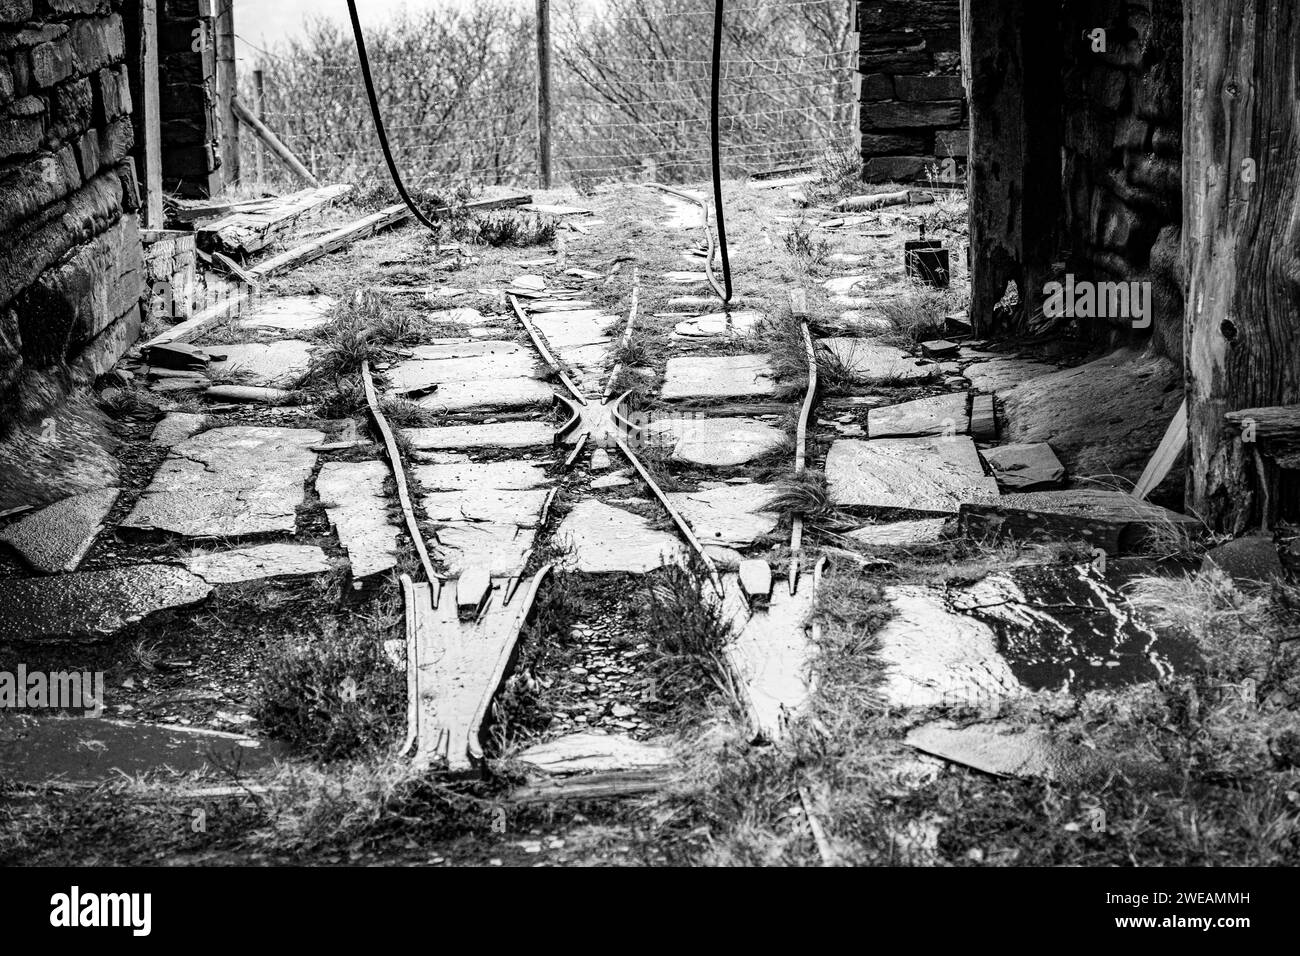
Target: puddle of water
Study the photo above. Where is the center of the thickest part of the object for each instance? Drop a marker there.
(1070, 628)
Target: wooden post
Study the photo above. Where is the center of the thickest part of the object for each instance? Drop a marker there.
(282, 152)
(1014, 174)
(1241, 236)
(259, 85)
(226, 91)
(151, 115)
(544, 93)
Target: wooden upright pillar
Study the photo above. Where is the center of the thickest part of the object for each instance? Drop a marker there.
(227, 90)
(1241, 235)
(1015, 164)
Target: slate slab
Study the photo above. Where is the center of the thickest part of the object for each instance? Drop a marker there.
(278, 364)
(1030, 467)
(714, 442)
(57, 537)
(493, 435)
(869, 363)
(176, 427)
(726, 376)
(934, 657)
(718, 325)
(504, 393)
(299, 313)
(37, 750)
(502, 548)
(486, 361)
(503, 475)
(93, 604)
(1000, 374)
(256, 563)
(520, 508)
(229, 481)
(605, 538)
(731, 516)
(921, 474)
(939, 415)
(354, 500)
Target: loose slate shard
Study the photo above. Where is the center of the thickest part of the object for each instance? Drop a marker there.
(714, 442)
(230, 481)
(604, 538)
(354, 500)
(93, 604)
(936, 658)
(940, 415)
(57, 537)
(726, 376)
(920, 474)
(257, 563)
(868, 363)
(1011, 750)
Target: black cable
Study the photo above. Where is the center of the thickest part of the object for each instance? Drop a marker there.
(379, 122)
(717, 166)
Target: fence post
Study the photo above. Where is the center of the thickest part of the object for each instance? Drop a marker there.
(544, 93)
(226, 91)
(259, 89)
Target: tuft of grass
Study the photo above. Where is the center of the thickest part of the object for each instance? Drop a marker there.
(780, 335)
(919, 312)
(805, 495)
(507, 227)
(800, 243)
(686, 623)
(333, 694)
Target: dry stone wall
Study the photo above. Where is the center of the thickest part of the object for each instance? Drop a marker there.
(71, 271)
(913, 107)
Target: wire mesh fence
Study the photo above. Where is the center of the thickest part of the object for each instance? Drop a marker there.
(458, 90)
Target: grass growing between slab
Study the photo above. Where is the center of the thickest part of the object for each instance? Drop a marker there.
(334, 693)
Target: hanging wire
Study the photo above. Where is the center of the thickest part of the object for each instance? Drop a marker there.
(716, 153)
(379, 123)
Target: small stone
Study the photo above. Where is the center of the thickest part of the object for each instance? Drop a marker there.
(600, 460)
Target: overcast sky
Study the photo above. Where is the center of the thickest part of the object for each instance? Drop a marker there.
(270, 21)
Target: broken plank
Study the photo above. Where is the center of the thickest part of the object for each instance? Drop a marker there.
(596, 786)
(1162, 462)
(333, 242)
(1276, 430)
(244, 232)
